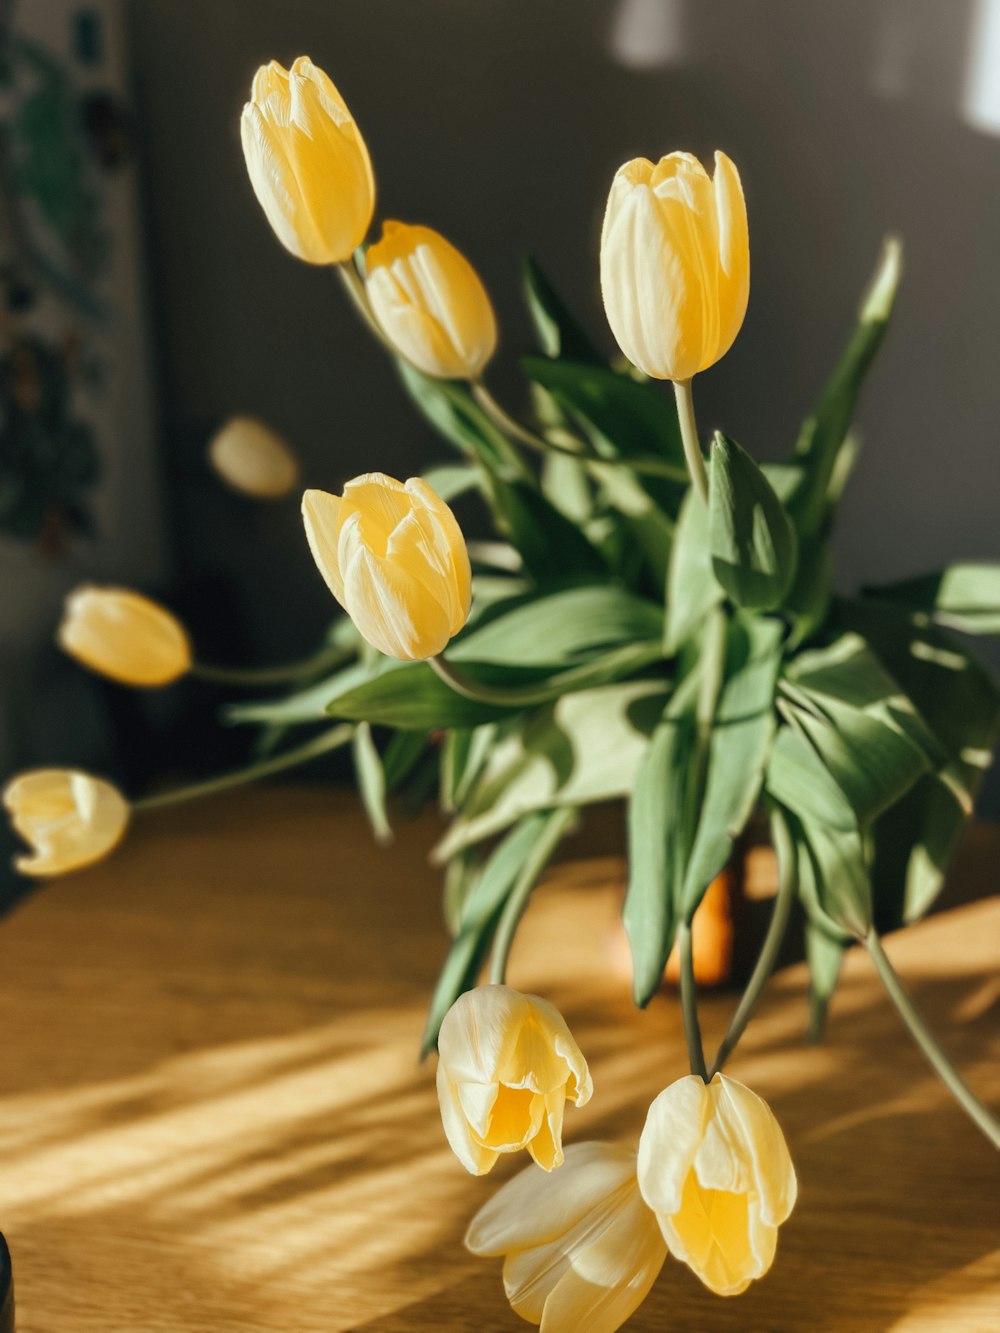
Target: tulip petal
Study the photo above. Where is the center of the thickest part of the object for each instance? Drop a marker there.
(68, 818)
(535, 1209)
(322, 516)
(392, 610)
(124, 635)
(733, 250)
(675, 1125)
(751, 1126)
(711, 1233)
(452, 553)
(546, 1146)
(477, 1030)
(474, 1157)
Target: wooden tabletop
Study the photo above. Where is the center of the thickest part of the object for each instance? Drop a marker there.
(212, 1118)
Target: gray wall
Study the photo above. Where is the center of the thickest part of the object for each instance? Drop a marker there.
(501, 122)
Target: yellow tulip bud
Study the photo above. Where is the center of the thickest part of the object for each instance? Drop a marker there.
(715, 1168)
(121, 634)
(394, 557)
(69, 819)
(675, 263)
(581, 1247)
(430, 303)
(506, 1065)
(308, 163)
(249, 456)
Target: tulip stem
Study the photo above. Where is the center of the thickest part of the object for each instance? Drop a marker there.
(514, 908)
(689, 437)
(767, 957)
(276, 675)
(922, 1035)
(620, 662)
(328, 740)
(689, 1003)
(582, 453)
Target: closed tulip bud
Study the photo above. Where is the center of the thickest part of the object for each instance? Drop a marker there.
(715, 1168)
(430, 303)
(581, 1247)
(68, 818)
(675, 263)
(249, 456)
(121, 634)
(308, 163)
(394, 557)
(506, 1065)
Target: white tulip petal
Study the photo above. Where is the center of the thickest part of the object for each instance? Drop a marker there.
(750, 1123)
(669, 1142)
(474, 1157)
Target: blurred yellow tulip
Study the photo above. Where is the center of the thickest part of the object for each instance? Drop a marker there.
(675, 263)
(308, 163)
(715, 1168)
(430, 302)
(121, 634)
(69, 819)
(249, 456)
(581, 1247)
(394, 557)
(506, 1065)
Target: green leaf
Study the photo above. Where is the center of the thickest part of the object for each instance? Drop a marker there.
(554, 629)
(410, 696)
(558, 332)
(659, 834)
(450, 408)
(962, 597)
(308, 705)
(738, 749)
(833, 877)
(620, 417)
(459, 973)
(401, 755)
(751, 539)
(824, 955)
(450, 480)
(809, 598)
(550, 544)
(583, 748)
(798, 779)
(371, 782)
(692, 588)
(824, 433)
(502, 868)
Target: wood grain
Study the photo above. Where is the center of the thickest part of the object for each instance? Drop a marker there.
(212, 1118)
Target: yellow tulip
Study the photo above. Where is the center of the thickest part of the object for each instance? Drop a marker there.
(249, 456)
(69, 819)
(715, 1168)
(121, 634)
(308, 163)
(394, 557)
(506, 1065)
(581, 1248)
(430, 302)
(675, 263)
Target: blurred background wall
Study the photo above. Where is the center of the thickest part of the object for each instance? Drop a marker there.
(500, 122)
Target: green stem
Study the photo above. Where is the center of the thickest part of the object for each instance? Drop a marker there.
(689, 1003)
(276, 675)
(921, 1034)
(768, 955)
(328, 740)
(581, 452)
(689, 437)
(623, 661)
(514, 908)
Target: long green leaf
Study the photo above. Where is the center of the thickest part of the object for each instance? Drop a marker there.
(962, 597)
(824, 433)
(559, 334)
(692, 588)
(751, 538)
(371, 782)
(550, 544)
(798, 779)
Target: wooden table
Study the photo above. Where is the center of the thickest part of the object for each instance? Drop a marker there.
(212, 1118)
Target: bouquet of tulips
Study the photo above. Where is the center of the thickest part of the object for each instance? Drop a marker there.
(655, 621)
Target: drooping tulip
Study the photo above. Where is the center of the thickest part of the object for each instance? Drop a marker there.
(308, 163)
(507, 1063)
(394, 557)
(430, 302)
(250, 457)
(675, 263)
(121, 634)
(68, 818)
(715, 1169)
(581, 1249)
